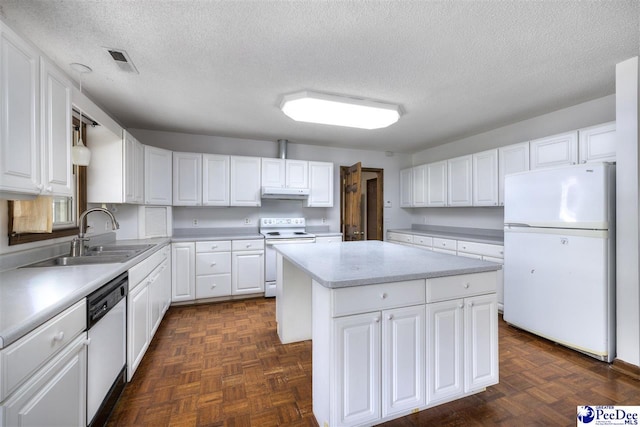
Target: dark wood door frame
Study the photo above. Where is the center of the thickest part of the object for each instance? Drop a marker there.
(380, 200)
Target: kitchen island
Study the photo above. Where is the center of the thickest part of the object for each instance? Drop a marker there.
(395, 329)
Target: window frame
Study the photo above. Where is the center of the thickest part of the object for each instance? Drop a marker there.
(80, 176)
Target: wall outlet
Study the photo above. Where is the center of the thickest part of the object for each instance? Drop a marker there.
(324, 220)
(424, 219)
(194, 223)
(247, 221)
(107, 225)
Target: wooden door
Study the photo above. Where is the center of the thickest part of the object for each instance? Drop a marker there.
(372, 209)
(353, 203)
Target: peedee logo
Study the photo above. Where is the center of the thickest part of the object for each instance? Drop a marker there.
(586, 414)
(608, 415)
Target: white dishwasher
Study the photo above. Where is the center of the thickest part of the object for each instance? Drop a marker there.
(106, 353)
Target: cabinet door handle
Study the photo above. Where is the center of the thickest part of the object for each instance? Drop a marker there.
(390, 317)
(383, 295)
(213, 286)
(214, 247)
(461, 305)
(466, 285)
(213, 264)
(58, 336)
(376, 319)
(470, 304)
(248, 245)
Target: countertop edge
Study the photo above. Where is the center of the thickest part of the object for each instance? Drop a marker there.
(24, 327)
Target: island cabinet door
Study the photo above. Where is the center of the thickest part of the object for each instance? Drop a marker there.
(444, 350)
(481, 342)
(403, 359)
(357, 369)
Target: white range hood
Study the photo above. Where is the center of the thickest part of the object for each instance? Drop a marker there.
(284, 193)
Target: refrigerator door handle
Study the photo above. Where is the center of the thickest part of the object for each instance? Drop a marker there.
(516, 224)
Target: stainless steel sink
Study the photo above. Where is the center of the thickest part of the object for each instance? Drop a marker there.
(96, 255)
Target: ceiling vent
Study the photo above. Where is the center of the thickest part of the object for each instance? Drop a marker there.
(121, 58)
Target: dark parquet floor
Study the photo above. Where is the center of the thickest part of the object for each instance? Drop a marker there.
(222, 365)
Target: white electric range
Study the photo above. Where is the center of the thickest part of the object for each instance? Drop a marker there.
(280, 231)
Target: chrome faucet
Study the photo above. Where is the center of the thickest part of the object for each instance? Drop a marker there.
(77, 244)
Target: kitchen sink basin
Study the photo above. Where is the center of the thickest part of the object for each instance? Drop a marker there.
(106, 249)
(96, 255)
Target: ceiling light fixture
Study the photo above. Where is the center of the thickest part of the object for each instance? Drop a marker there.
(314, 107)
(80, 154)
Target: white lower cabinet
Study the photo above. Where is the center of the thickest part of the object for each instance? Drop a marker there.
(377, 356)
(183, 271)
(462, 346)
(148, 300)
(247, 272)
(357, 369)
(214, 269)
(403, 360)
(381, 358)
(137, 328)
(56, 395)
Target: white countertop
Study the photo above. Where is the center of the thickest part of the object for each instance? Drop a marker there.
(337, 265)
(200, 234)
(454, 233)
(31, 296)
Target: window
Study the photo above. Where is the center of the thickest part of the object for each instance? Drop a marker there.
(65, 209)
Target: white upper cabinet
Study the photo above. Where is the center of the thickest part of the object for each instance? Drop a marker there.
(285, 173)
(245, 181)
(598, 143)
(35, 118)
(406, 188)
(485, 178)
(459, 181)
(157, 176)
(420, 186)
(297, 173)
(57, 171)
(556, 150)
(133, 170)
(320, 185)
(437, 184)
(20, 112)
(273, 173)
(215, 180)
(187, 179)
(116, 172)
(511, 159)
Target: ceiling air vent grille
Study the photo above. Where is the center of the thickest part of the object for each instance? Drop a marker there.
(122, 60)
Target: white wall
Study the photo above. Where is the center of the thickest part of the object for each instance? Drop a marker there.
(589, 113)
(234, 216)
(628, 212)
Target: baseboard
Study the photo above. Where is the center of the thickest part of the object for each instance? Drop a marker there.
(626, 368)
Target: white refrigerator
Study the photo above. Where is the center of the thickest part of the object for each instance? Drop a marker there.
(559, 255)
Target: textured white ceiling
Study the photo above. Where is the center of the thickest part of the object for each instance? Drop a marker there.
(221, 67)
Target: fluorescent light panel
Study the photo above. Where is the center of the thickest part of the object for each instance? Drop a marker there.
(314, 107)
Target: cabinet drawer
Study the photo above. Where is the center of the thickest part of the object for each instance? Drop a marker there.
(215, 285)
(22, 358)
(247, 245)
(361, 299)
(423, 240)
(214, 246)
(485, 249)
(213, 263)
(138, 272)
(399, 237)
(452, 287)
(440, 243)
